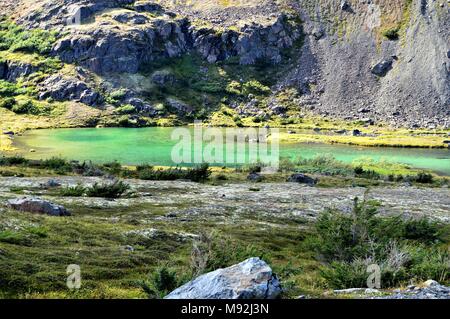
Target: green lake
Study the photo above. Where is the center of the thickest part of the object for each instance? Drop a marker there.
(154, 146)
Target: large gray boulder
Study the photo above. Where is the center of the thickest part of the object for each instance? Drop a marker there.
(39, 206)
(250, 279)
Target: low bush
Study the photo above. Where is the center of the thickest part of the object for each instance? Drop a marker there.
(196, 174)
(423, 178)
(57, 164)
(16, 38)
(369, 174)
(162, 281)
(212, 251)
(108, 190)
(126, 109)
(73, 191)
(8, 103)
(405, 249)
(255, 87)
(392, 33)
(13, 160)
(27, 107)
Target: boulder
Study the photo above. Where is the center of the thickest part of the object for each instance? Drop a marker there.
(345, 6)
(302, 179)
(179, 106)
(255, 177)
(382, 68)
(39, 206)
(147, 6)
(163, 77)
(250, 279)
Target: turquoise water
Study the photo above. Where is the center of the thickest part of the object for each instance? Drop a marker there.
(154, 146)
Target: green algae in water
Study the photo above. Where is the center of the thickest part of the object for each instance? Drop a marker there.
(154, 145)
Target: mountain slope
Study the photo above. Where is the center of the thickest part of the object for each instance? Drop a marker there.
(376, 61)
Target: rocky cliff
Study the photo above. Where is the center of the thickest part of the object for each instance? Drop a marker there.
(372, 60)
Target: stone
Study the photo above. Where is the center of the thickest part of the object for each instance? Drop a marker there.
(255, 177)
(179, 106)
(356, 132)
(430, 283)
(382, 68)
(250, 279)
(39, 206)
(52, 183)
(163, 78)
(301, 179)
(345, 6)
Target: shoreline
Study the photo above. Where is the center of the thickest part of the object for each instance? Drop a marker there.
(428, 139)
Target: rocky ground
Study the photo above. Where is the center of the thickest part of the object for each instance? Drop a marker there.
(240, 201)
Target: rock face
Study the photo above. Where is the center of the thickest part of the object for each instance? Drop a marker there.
(13, 70)
(39, 206)
(107, 48)
(251, 279)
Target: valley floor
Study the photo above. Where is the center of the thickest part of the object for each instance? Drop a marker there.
(117, 243)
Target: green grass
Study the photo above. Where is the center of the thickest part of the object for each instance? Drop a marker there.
(16, 38)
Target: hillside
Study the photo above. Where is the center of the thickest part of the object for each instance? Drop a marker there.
(230, 62)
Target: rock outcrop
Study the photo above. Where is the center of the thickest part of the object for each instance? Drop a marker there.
(13, 70)
(251, 279)
(62, 88)
(39, 206)
(130, 45)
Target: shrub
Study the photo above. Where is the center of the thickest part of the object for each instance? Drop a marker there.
(403, 248)
(234, 87)
(108, 190)
(27, 107)
(255, 87)
(424, 178)
(8, 88)
(196, 174)
(15, 238)
(126, 109)
(73, 191)
(392, 34)
(116, 96)
(212, 251)
(8, 103)
(57, 164)
(13, 160)
(17, 38)
(114, 168)
(369, 174)
(162, 281)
